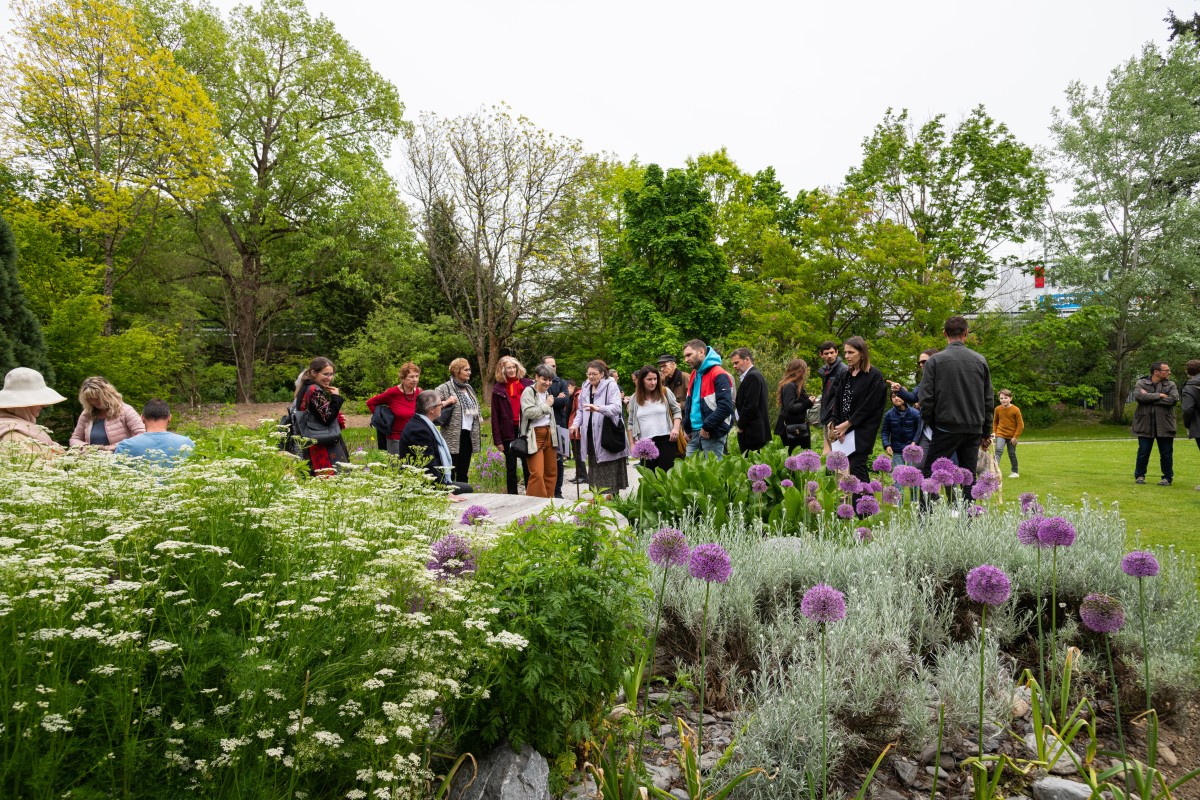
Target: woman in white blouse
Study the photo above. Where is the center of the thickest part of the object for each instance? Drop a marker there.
(541, 433)
(654, 414)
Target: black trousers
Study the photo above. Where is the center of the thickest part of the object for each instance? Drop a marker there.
(668, 451)
(963, 446)
(462, 459)
(580, 463)
(562, 456)
(510, 469)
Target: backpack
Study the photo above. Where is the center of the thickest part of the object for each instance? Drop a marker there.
(288, 442)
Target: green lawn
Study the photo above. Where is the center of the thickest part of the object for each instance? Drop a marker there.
(1103, 470)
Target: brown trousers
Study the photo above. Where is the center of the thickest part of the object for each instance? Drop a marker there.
(542, 465)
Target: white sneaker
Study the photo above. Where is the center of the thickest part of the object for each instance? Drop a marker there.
(1013, 475)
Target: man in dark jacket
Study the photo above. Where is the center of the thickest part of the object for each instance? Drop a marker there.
(956, 400)
(829, 371)
(708, 407)
(673, 379)
(1191, 402)
(561, 406)
(750, 405)
(1154, 421)
(422, 441)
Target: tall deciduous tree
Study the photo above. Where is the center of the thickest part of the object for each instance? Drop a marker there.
(1128, 240)
(670, 279)
(118, 126)
(965, 193)
(490, 190)
(21, 342)
(307, 202)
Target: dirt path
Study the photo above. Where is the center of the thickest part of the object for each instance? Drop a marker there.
(249, 414)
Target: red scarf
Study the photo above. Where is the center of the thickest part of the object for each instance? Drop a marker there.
(514, 398)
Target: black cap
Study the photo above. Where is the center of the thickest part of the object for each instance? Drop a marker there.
(665, 357)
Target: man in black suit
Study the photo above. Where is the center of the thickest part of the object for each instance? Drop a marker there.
(422, 440)
(750, 404)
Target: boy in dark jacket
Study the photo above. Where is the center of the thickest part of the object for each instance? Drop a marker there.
(900, 426)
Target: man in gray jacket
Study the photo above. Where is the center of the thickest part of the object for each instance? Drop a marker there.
(956, 400)
(1154, 421)
(1191, 402)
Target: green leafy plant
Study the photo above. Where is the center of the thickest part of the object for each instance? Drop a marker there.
(616, 776)
(696, 785)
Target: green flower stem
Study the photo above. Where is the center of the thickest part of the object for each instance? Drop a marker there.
(1041, 635)
(638, 705)
(824, 724)
(703, 642)
(1116, 701)
(1053, 618)
(982, 650)
(1145, 647)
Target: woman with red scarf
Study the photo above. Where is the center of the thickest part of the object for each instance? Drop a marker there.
(506, 410)
(316, 394)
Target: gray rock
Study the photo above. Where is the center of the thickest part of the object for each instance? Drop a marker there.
(666, 730)
(906, 771)
(890, 794)
(941, 773)
(1052, 788)
(1054, 749)
(680, 793)
(1167, 755)
(929, 752)
(662, 777)
(709, 760)
(505, 775)
(948, 761)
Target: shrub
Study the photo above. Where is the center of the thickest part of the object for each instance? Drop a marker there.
(575, 590)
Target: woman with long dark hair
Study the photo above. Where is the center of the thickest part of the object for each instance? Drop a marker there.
(859, 397)
(655, 414)
(316, 395)
(792, 424)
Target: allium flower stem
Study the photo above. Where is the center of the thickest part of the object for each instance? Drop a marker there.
(651, 653)
(703, 678)
(1053, 617)
(824, 724)
(1116, 701)
(982, 651)
(1041, 635)
(1145, 648)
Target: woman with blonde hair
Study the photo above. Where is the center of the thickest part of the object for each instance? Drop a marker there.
(107, 419)
(461, 425)
(317, 396)
(506, 412)
(794, 404)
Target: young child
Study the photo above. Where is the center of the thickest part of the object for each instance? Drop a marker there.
(1007, 425)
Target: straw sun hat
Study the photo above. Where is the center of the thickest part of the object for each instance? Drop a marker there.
(25, 387)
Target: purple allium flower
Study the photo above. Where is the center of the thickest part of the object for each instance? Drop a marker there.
(945, 477)
(845, 511)
(1028, 500)
(786, 484)
(812, 487)
(907, 476)
(882, 463)
(943, 463)
(1027, 531)
(975, 510)
(913, 454)
(451, 555)
(644, 449)
(988, 584)
(823, 604)
(836, 462)
(473, 515)
(709, 562)
(669, 548)
(930, 486)
(1056, 532)
(1140, 564)
(891, 495)
(850, 485)
(965, 476)
(867, 506)
(759, 472)
(863, 534)
(1102, 613)
(813, 505)
(986, 486)
(875, 486)
(758, 487)
(804, 461)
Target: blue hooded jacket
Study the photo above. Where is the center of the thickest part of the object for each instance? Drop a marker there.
(714, 416)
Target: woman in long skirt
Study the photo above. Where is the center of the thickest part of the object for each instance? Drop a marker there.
(599, 400)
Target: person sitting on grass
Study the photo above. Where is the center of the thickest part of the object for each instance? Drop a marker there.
(157, 444)
(422, 441)
(1007, 425)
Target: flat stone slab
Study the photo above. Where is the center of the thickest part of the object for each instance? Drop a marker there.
(506, 508)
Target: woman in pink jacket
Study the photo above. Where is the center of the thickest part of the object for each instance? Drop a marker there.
(106, 419)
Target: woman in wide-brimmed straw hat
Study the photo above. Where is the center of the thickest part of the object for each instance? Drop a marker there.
(24, 396)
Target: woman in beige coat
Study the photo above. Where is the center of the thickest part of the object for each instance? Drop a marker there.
(107, 419)
(24, 396)
(541, 433)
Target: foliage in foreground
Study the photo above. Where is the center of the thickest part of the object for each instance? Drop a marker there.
(228, 629)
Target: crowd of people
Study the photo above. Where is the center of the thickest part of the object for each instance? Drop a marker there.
(539, 422)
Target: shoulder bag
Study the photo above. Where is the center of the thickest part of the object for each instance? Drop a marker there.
(612, 434)
(309, 427)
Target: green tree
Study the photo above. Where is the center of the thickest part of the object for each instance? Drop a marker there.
(965, 193)
(491, 190)
(21, 342)
(670, 279)
(1127, 241)
(307, 204)
(121, 131)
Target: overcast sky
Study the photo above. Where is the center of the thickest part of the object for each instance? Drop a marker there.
(797, 85)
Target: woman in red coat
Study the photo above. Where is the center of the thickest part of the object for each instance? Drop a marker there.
(402, 400)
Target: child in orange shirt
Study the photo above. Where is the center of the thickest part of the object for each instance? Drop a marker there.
(1007, 425)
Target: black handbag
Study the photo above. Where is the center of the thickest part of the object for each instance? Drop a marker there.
(519, 446)
(612, 435)
(309, 427)
(796, 430)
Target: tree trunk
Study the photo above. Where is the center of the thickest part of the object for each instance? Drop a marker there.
(245, 326)
(110, 280)
(1119, 389)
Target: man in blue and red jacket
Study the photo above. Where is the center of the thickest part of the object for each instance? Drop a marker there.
(708, 408)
